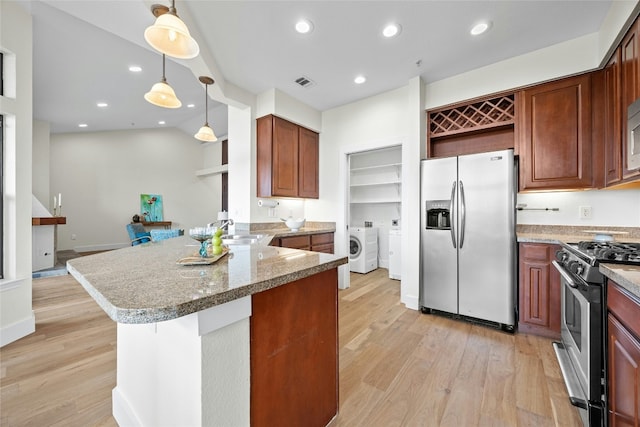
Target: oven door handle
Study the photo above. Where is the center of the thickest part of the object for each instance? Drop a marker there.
(564, 274)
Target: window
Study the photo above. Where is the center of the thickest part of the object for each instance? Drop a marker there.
(1, 171)
(1, 196)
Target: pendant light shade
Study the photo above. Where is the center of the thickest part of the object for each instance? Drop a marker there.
(206, 133)
(170, 35)
(161, 94)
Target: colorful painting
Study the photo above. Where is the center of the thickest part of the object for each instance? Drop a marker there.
(151, 207)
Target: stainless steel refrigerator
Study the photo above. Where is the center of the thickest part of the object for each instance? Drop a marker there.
(468, 242)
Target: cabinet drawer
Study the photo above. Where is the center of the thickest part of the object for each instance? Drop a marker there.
(326, 248)
(624, 306)
(319, 239)
(538, 251)
(296, 242)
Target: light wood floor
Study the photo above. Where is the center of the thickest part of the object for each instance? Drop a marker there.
(397, 367)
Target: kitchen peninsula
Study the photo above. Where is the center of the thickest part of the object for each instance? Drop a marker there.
(251, 338)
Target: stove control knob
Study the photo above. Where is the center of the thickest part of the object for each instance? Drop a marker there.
(575, 267)
(561, 255)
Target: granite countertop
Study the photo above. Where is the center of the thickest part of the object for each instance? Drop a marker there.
(144, 283)
(627, 276)
(276, 229)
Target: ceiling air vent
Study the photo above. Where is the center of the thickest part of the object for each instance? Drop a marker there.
(305, 81)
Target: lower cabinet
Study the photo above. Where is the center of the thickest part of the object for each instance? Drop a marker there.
(539, 293)
(623, 351)
(322, 242)
(294, 353)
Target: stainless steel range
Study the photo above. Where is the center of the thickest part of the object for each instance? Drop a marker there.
(581, 352)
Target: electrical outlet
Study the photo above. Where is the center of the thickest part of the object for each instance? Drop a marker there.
(585, 212)
(73, 237)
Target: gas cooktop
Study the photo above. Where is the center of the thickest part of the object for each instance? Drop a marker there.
(607, 252)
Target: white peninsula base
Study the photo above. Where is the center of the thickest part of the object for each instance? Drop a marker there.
(189, 371)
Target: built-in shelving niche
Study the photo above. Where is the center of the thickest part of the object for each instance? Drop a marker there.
(474, 126)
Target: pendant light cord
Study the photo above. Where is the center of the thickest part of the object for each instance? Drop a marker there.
(164, 79)
(206, 105)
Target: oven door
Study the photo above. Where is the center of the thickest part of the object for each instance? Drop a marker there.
(573, 353)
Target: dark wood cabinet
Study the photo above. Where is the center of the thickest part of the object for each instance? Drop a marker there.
(612, 123)
(322, 242)
(629, 87)
(295, 242)
(287, 159)
(623, 350)
(539, 295)
(555, 136)
(308, 169)
(294, 353)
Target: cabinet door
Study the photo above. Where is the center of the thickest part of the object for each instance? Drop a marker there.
(285, 158)
(623, 374)
(539, 297)
(612, 121)
(630, 85)
(308, 164)
(556, 131)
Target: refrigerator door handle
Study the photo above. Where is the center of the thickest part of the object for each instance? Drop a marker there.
(452, 229)
(463, 215)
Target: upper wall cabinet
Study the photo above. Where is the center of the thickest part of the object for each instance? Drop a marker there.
(555, 135)
(287, 159)
(612, 121)
(629, 87)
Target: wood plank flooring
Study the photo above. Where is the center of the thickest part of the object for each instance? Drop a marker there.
(398, 367)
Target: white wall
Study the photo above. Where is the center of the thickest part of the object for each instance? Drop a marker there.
(40, 171)
(102, 174)
(616, 208)
(16, 316)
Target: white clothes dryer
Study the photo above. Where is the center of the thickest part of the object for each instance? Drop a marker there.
(363, 249)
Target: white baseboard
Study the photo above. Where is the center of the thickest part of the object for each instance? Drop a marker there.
(108, 247)
(122, 411)
(18, 330)
(411, 302)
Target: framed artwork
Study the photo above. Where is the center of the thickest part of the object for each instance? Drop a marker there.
(151, 207)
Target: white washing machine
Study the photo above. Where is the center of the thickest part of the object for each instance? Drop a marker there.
(363, 249)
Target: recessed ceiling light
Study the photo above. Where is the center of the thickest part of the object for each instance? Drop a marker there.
(480, 28)
(135, 68)
(191, 105)
(82, 125)
(360, 79)
(102, 104)
(304, 26)
(391, 30)
(161, 122)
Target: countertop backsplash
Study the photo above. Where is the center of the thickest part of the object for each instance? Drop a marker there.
(619, 208)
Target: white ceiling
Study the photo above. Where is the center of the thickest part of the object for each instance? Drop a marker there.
(83, 48)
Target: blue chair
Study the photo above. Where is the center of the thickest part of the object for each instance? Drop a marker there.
(137, 234)
(157, 235)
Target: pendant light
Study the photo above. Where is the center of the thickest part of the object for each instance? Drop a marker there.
(161, 94)
(169, 34)
(206, 133)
